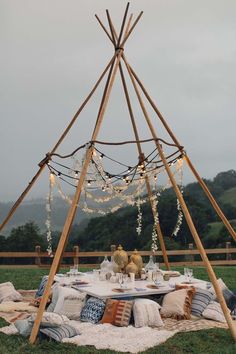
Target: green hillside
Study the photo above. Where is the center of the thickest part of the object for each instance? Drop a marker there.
(229, 197)
(99, 233)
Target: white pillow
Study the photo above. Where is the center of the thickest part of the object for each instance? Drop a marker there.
(62, 293)
(9, 293)
(50, 319)
(146, 313)
(73, 305)
(214, 312)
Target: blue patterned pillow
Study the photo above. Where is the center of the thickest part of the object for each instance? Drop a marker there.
(201, 300)
(42, 285)
(93, 310)
(61, 332)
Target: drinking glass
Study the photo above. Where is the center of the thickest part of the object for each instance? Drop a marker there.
(125, 280)
(190, 275)
(186, 273)
(154, 277)
(121, 279)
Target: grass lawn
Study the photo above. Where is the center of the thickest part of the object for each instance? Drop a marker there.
(214, 341)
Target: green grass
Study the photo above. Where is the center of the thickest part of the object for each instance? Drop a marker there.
(214, 341)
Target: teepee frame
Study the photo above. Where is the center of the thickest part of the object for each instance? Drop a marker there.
(115, 65)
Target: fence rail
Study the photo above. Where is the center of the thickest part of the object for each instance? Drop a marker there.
(188, 256)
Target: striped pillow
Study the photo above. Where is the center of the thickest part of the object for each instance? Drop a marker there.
(214, 312)
(59, 333)
(117, 312)
(200, 301)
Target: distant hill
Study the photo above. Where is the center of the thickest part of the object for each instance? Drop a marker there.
(229, 197)
(35, 210)
(120, 227)
(100, 232)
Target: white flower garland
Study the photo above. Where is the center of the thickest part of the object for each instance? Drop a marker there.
(179, 169)
(48, 221)
(154, 246)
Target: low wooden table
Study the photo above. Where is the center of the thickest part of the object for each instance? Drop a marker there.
(105, 289)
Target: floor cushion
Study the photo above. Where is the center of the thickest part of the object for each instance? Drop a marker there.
(61, 293)
(42, 286)
(73, 305)
(146, 313)
(59, 333)
(93, 310)
(24, 327)
(50, 319)
(117, 312)
(229, 296)
(9, 293)
(201, 300)
(214, 312)
(177, 304)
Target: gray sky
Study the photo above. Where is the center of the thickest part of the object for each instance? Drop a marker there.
(53, 51)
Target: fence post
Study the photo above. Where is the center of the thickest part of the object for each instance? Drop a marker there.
(191, 256)
(113, 248)
(76, 256)
(228, 254)
(38, 258)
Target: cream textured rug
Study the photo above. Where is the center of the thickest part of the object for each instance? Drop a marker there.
(128, 339)
(106, 336)
(134, 340)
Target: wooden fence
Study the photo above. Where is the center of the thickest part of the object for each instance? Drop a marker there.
(188, 257)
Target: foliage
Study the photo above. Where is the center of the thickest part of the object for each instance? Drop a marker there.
(120, 227)
(25, 238)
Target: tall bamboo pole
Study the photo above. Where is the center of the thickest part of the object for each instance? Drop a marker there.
(72, 211)
(150, 195)
(62, 137)
(187, 215)
(100, 108)
(195, 173)
(141, 155)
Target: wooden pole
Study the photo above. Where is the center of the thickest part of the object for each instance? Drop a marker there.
(150, 195)
(187, 215)
(195, 173)
(42, 166)
(141, 155)
(72, 211)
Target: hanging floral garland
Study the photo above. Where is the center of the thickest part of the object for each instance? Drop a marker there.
(154, 246)
(48, 222)
(179, 169)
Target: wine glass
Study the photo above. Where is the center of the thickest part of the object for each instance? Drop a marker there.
(125, 280)
(121, 279)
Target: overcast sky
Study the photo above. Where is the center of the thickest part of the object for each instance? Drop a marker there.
(52, 52)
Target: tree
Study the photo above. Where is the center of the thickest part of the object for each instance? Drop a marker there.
(25, 237)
